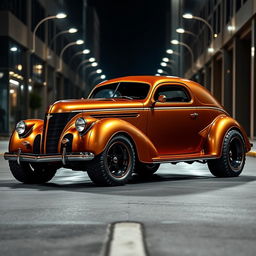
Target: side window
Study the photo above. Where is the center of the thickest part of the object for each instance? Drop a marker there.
(173, 93)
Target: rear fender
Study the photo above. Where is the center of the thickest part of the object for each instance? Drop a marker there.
(219, 128)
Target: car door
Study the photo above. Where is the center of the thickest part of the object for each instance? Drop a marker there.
(173, 125)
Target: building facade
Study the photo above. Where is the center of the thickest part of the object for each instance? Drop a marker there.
(225, 62)
(30, 80)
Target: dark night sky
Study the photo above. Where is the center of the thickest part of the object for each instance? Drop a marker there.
(133, 35)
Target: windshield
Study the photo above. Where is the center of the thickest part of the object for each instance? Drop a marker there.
(125, 90)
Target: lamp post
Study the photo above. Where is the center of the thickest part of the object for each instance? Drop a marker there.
(77, 42)
(69, 31)
(85, 51)
(160, 71)
(164, 64)
(165, 59)
(176, 42)
(92, 73)
(183, 31)
(190, 16)
(102, 77)
(170, 51)
(90, 60)
(57, 16)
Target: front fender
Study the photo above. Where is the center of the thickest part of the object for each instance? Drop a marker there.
(104, 129)
(219, 128)
(26, 143)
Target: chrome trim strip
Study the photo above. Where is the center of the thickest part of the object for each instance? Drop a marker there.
(183, 159)
(82, 156)
(106, 109)
(153, 108)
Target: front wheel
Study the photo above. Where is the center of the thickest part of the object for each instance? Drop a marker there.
(114, 166)
(232, 160)
(31, 174)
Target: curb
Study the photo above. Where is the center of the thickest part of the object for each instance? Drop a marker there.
(251, 153)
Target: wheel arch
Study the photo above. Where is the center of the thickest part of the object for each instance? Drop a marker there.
(219, 128)
(105, 129)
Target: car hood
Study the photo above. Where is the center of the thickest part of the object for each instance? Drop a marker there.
(93, 105)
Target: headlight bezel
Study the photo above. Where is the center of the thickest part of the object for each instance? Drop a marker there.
(21, 128)
(80, 124)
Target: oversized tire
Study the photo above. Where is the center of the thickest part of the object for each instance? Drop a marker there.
(145, 170)
(115, 165)
(31, 174)
(232, 160)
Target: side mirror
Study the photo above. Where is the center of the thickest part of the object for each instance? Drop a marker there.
(161, 98)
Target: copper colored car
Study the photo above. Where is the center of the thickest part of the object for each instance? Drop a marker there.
(129, 125)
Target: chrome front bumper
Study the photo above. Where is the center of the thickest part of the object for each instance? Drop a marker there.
(47, 158)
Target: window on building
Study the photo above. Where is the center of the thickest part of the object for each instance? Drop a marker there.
(16, 7)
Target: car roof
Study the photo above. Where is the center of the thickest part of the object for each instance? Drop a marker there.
(200, 92)
(146, 79)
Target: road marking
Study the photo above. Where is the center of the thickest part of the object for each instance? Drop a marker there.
(126, 239)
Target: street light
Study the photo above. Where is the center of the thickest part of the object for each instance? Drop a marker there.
(165, 59)
(160, 71)
(92, 73)
(14, 49)
(85, 51)
(183, 31)
(77, 42)
(176, 42)
(190, 16)
(57, 16)
(102, 77)
(68, 31)
(170, 51)
(90, 60)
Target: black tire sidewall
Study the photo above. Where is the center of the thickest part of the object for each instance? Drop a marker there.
(126, 141)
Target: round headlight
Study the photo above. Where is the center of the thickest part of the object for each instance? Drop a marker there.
(80, 124)
(20, 127)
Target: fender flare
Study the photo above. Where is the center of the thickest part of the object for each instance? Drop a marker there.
(218, 130)
(26, 144)
(105, 129)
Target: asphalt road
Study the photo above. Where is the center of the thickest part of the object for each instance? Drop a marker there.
(183, 209)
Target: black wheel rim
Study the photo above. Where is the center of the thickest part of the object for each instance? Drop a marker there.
(118, 160)
(236, 154)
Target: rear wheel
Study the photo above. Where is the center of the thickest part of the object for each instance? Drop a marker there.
(28, 173)
(232, 160)
(114, 166)
(145, 170)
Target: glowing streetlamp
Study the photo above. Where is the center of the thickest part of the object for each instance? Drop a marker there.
(190, 16)
(68, 31)
(85, 51)
(161, 71)
(91, 62)
(183, 31)
(176, 42)
(57, 16)
(170, 51)
(77, 42)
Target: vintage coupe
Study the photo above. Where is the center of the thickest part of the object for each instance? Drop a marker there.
(129, 125)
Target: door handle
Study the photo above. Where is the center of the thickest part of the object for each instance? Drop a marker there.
(194, 115)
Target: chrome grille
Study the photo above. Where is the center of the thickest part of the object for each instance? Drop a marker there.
(56, 124)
